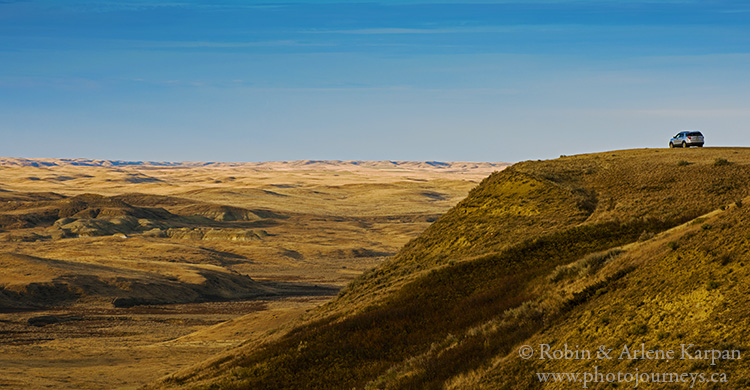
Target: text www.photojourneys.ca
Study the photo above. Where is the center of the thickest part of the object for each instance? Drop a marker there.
(633, 378)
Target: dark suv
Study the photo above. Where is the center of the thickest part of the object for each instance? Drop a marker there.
(687, 139)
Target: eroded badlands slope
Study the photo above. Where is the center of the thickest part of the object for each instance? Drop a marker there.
(114, 273)
(623, 247)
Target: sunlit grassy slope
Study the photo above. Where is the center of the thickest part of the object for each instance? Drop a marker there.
(624, 247)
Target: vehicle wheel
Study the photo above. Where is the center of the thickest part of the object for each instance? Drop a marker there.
(671, 145)
(684, 145)
(700, 146)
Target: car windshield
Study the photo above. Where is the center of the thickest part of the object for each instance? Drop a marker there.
(695, 134)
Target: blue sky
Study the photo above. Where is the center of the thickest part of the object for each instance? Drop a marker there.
(232, 80)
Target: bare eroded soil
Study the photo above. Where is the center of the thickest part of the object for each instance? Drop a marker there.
(115, 274)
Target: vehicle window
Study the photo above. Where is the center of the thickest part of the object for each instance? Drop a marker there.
(695, 134)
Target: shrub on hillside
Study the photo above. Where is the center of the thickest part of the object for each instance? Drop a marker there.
(585, 266)
(593, 262)
(526, 312)
(721, 162)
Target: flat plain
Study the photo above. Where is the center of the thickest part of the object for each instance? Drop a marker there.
(114, 274)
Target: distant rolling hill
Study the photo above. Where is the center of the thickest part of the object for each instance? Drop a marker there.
(615, 249)
(105, 265)
(177, 232)
(454, 166)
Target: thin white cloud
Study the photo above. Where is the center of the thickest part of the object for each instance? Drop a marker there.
(181, 83)
(388, 31)
(522, 28)
(135, 5)
(66, 83)
(695, 113)
(452, 30)
(472, 2)
(220, 44)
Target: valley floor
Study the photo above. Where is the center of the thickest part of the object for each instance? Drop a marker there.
(113, 276)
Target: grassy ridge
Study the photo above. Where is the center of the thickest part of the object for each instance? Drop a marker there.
(536, 198)
(479, 281)
(351, 352)
(695, 292)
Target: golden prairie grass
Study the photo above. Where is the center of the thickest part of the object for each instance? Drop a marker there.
(316, 226)
(454, 304)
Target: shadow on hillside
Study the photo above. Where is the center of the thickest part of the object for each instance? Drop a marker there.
(294, 289)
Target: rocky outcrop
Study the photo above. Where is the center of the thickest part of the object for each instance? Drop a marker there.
(213, 234)
(91, 215)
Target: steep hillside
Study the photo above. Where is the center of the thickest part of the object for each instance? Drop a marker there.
(685, 290)
(625, 247)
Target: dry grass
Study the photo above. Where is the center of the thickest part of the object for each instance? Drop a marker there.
(311, 224)
(452, 307)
